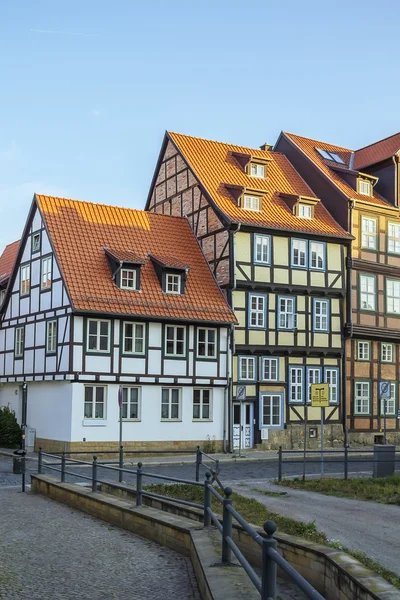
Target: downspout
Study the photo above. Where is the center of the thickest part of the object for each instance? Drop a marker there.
(349, 323)
(117, 271)
(395, 159)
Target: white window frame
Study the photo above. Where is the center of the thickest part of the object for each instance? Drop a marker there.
(305, 211)
(363, 350)
(364, 187)
(244, 363)
(360, 397)
(301, 247)
(333, 386)
(173, 282)
(257, 313)
(369, 233)
(287, 316)
(36, 235)
(201, 404)
(271, 396)
(170, 404)
(393, 296)
(251, 202)
(174, 340)
(391, 402)
(46, 273)
(207, 343)
(368, 282)
(317, 252)
(296, 385)
(126, 281)
(134, 338)
(262, 249)
(314, 375)
(94, 402)
(321, 319)
(25, 277)
(127, 401)
(273, 367)
(19, 342)
(98, 336)
(393, 238)
(387, 352)
(257, 170)
(51, 336)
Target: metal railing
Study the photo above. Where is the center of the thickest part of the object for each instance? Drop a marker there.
(271, 559)
(200, 463)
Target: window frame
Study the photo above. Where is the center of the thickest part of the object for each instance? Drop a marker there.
(269, 359)
(391, 238)
(19, 344)
(368, 345)
(253, 197)
(361, 381)
(175, 342)
(310, 265)
(360, 292)
(206, 343)
(46, 288)
(294, 313)
(365, 218)
(248, 359)
(36, 234)
(201, 404)
(271, 394)
(98, 336)
(257, 166)
(391, 345)
(328, 315)
(300, 385)
(49, 349)
(395, 403)
(170, 419)
(93, 402)
(317, 369)
(129, 402)
(26, 265)
(292, 249)
(134, 325)
(262, 237)
(337, 386)
(301, 208)
(128, 271)
(257, 311)
(360, 182)
(393, 297)
(179, 283)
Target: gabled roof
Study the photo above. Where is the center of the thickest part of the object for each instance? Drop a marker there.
(80, 231)
(374, 153)
(170, 262)
(330, 168)
(217, 168)
(124, 256)
(7, 260)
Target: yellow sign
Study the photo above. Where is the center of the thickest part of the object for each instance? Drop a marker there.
(320, 394)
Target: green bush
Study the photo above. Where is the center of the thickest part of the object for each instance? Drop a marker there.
(10, 431)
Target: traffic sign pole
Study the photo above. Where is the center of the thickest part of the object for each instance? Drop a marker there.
(322, 440)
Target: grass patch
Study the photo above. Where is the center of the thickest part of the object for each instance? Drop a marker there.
(256, 513)
(385, 490)
(269, 492)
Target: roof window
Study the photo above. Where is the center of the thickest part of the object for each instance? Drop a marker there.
(329, 155)
(173, 283)
(251, 203)
(257, 170)
(364, 187)
(305, 211)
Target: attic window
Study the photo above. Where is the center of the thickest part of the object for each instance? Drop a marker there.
(305, 211)
(173, 283)
(330, 156)
(251, 203)
(364, 187)
(36, 242)
(128, 279)
(257, 170)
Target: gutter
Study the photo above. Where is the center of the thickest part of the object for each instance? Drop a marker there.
(349, 324)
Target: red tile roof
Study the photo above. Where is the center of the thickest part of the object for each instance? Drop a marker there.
(124, 256)
(7, 260)
(81, 230)
(216, 168)
(170, 261)
(309, 148)
(374, 153)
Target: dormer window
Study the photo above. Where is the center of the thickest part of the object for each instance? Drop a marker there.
(125, 267)
(173, 283)
(364, 187)
(257, 170)
(251, 203)
(128, 279)
(305, 211)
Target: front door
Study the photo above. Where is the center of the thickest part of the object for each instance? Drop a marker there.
(243, 418)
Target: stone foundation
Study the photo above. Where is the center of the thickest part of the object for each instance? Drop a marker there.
(292, 438)
(368, 438)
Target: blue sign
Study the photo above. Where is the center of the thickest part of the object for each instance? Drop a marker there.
(384, 390)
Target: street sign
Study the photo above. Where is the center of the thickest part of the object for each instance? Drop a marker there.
(398, 414)
(320, 394)
(241, 393)
(120, 396)
(384, 390)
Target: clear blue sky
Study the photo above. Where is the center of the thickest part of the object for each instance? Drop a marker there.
(88, 87)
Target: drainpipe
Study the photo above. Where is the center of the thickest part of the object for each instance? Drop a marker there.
(349, 322)
(228, 390)
(395, 159)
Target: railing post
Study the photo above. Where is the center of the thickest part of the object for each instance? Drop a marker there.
(63, 467)
(139, 485)
(94, 474)
(217, 466)
(207, 500)
(40, 459)
(346, 461)
(198, 463)
(121, 463)
(280, 463)
(226, 526)
(269, 567)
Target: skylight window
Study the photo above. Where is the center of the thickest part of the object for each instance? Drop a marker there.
(330, 156)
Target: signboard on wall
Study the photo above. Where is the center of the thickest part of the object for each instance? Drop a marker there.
(320, 394)
(384, 390)
(241, 393)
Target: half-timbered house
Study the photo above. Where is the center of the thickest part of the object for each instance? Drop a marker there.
(107, 304)
(361, 190)
(7, 260)
(280, 257)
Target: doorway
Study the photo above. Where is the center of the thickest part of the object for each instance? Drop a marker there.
(243, 420)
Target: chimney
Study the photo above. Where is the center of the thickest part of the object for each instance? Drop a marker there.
(266, 147)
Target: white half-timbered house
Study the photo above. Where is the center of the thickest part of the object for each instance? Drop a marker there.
(100, 298)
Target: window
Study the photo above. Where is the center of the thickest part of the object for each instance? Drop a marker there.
(317, 256)
(25, 279)
(19, 341)
(363, 350)
(173, 283)
(35, 242)
(369, 233)
(386, 352)
(251, 203)
(130, 403)
(133, 342)
(332, 379)
(299, 253)
(202, 404)
(392, 296)
(98, 336)
(296, 375)
(305, 211)
(394, 238)
(257, 170)
(270, 369)
(206, 343)
(272, 410)
(128, 279)
(51, 337)
(262, 246)
(364, 187)
(321, 315)
(2, 296)
(361, 397)
(257, 311)
(389, 403)
(175, 340)
(46, 273)
(329, 155)
(313, 376)
(367, 292)
(170, 404)
(287, 319)
(95, 402)
(247, 368)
